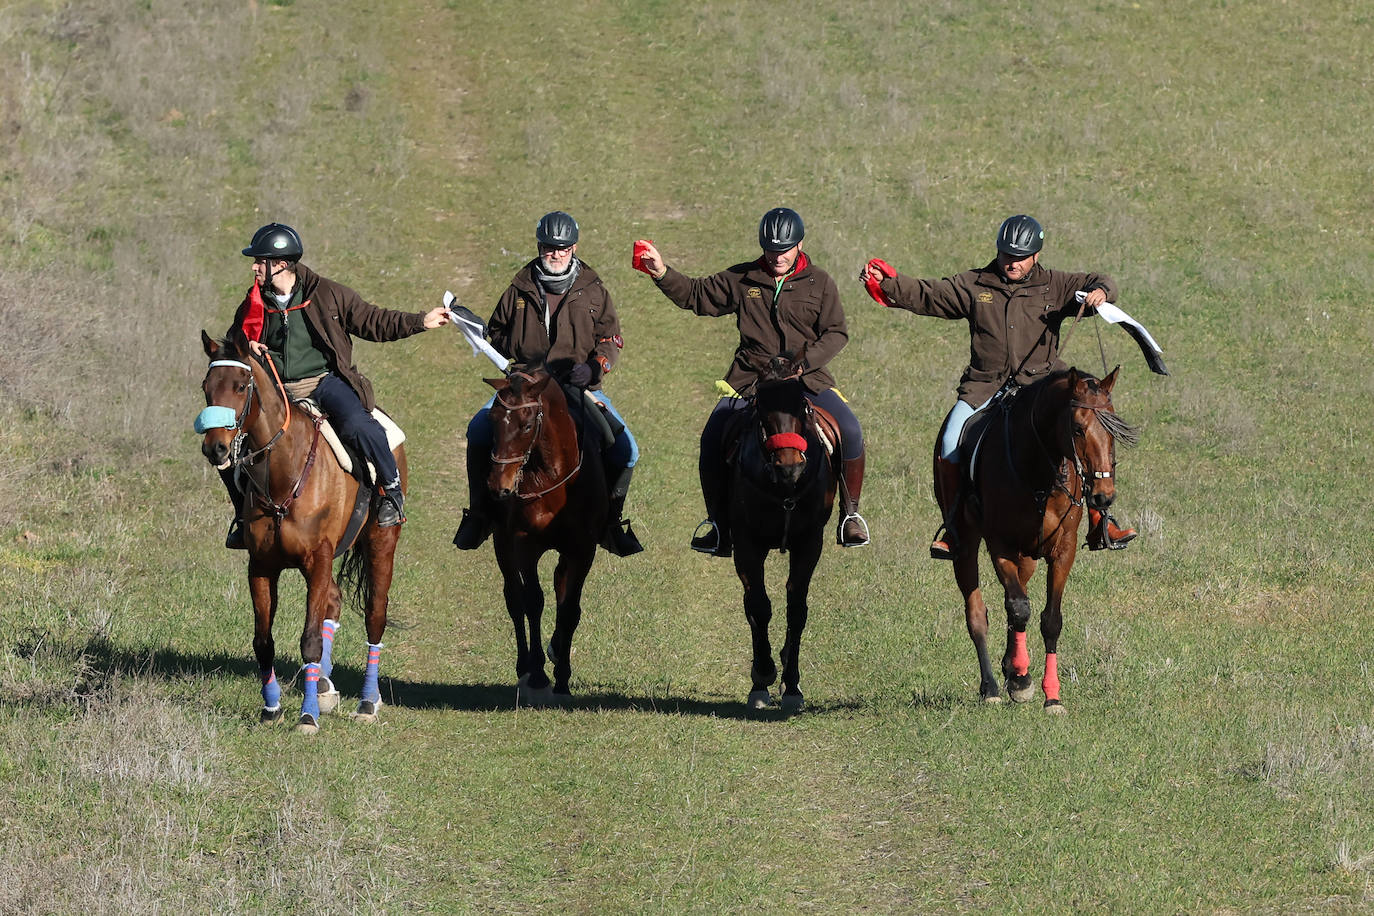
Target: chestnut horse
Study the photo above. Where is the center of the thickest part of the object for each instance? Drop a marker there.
(298, 502)
(782, 491)
(1048, 449)
(550, 494)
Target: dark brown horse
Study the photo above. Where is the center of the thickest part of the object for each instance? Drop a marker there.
(782, 492)
(1048, 450)
(550, 494)
(297, 506)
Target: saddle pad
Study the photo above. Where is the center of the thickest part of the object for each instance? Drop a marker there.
(394, 435)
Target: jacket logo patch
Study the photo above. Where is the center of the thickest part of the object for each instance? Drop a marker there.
(519, 303)
(754, 293)
(985, 297)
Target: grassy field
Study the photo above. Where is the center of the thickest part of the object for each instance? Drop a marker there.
(1218, 754)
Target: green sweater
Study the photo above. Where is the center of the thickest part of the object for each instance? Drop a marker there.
(288, 337)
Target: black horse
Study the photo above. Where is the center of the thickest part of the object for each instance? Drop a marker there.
(782, 492)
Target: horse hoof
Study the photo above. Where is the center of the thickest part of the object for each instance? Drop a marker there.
(993, 699)
(792, 703)
(329, 696)
(535, 697)
(760, 699)
(1055, 708)
(366, 711)
(1021, 694)
(307, 725)
(270, 716)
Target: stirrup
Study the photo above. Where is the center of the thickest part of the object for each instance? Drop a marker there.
(942, 545)
(234, 540)
(1100, 536)
(472, 531)
(839, 531)
(390, 511)
(709, 541)
(620, 539)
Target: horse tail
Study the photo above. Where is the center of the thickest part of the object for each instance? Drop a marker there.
(355, 577)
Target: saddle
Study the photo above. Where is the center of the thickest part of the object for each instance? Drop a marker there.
(349, 460)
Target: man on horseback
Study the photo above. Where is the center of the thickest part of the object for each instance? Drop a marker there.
(783, 303)
(303, 321)
(1014, 308)
(557, 312)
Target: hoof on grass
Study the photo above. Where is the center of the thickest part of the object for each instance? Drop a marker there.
(329, 696)
(270, 716)
(366, 711)
(992, 699)
(1021, 694)
(307, 725)
(760, 699)
(1055, 708)
(535, 697)
(792, 703)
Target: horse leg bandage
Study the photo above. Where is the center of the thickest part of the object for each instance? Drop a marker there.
(371, 693)
(1020, 658)
(327, 652)
(1051, 681)
(310, 705)
(271, 690)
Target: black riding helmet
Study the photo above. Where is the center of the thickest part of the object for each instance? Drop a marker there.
(557, 230)
(1020, 237)
(780, 229)
(276, 240)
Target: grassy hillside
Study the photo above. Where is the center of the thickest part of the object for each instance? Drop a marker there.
(1218, 753)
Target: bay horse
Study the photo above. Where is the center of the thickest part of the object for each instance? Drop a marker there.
(1047, 450)
(550, 493)
(298, 502)
(782, 492)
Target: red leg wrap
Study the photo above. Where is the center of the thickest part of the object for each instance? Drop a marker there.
(1020, 658)
(1051, 681)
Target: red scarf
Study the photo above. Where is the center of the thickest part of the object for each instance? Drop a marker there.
(254, 313)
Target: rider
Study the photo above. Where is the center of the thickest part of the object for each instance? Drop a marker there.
(1014, 308)
(782, 303)
(313, 354)
(556, 312)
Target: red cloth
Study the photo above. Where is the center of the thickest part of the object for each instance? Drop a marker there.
(254, 313)
(636, 259)
(872, 286)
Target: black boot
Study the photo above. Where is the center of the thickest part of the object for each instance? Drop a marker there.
(390, 506)
(476, 523)
(619, 538)
(234, 539)
(713, 534)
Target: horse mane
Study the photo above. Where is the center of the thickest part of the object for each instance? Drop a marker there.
(1123, 433)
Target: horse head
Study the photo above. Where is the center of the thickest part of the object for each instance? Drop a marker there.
(233, 400)
(517, 418)
(782, 411)
(1094, 429)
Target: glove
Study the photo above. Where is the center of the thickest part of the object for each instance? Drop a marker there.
(871, 284)
(581, 375)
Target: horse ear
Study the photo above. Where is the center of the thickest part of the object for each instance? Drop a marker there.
(537, 388)
(498, 383)
(211, 347)
(1109, 381)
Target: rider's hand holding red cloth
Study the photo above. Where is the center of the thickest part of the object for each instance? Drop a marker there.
(874, 272)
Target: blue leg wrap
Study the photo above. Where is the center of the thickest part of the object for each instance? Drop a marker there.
(271, 690)
(371, 692)
(310, 705)
(327, 654)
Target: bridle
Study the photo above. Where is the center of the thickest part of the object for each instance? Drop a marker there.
(1086, 473)
(243, 460)
(523, 459)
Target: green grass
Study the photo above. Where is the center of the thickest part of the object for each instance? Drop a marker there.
(1218, 752)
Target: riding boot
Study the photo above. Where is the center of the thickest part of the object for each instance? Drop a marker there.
(948, 479)
(1103, 534)
(234, 540)
(852, 530)
(390, 505)
(713, 534)
(476, 523)
(619, 537)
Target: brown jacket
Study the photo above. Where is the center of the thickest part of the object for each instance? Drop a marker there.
(806, 319)
(1014, 326)
(334, 312)
(586, 328)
